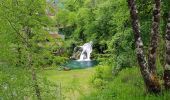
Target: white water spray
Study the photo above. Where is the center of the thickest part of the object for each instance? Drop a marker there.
(86, 52)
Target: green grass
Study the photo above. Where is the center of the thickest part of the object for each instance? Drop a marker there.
(73, 83)
(127, 85)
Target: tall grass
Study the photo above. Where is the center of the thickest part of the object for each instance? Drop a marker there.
(127, 85)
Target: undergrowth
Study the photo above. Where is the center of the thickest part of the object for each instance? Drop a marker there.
(126, 85)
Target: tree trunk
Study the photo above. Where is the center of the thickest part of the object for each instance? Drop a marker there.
(167, 57)
(154, 37)
(36, 87)
(30, 62)
(151, 81)
(35, 84)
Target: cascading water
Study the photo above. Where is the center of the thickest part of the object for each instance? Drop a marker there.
(86, 52)
(81, 56)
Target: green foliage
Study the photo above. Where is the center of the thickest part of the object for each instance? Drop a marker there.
(104, 22)
(16, 84)
(128, 84)
(24, 31)
(23, 24)
(107, 22)
(24, 49)
(101, 77)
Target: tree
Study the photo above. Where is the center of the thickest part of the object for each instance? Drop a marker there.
(25, 20)
(148, 69)
(167, 55)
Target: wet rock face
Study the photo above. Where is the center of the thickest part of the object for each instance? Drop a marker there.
(82, 53)
(76, 53)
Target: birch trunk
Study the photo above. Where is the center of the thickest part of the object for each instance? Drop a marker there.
(167, 57)
(151, 82)
(154, 37)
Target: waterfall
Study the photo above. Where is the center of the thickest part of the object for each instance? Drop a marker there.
(86, 52)
(81, 57)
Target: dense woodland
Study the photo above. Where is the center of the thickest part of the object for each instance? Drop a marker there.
(131, 42)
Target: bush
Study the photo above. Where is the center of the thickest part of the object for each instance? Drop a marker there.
(58, 60)
(16, 84)
(102, 76)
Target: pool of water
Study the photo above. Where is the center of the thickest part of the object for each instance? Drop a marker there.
(74, 64)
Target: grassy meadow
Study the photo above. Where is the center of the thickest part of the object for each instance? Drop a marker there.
(76, 85)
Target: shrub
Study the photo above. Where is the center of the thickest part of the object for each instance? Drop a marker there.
(102, 76)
